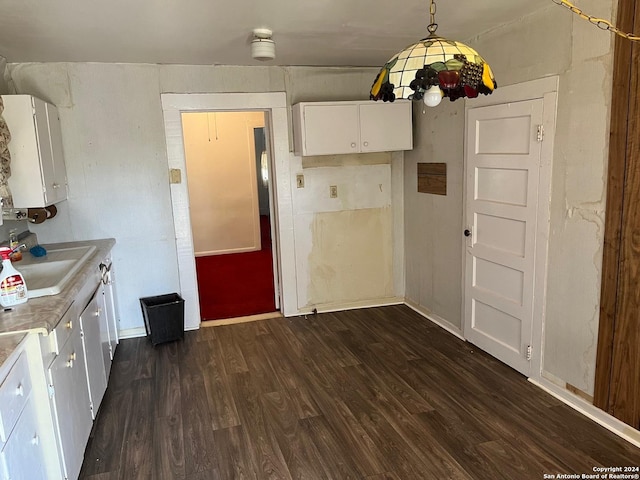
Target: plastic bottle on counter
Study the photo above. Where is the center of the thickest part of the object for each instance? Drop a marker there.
(13, 288)
(13, 243)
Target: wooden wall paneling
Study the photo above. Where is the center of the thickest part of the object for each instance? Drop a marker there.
(624, 398)
(432, 178)
(618, 364)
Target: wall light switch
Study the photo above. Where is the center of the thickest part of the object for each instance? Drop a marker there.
(333, 191)
(300, 181)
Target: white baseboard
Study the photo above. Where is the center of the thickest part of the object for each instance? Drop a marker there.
(441, 322)
(340, 307)
(132, 333)
(591, 411)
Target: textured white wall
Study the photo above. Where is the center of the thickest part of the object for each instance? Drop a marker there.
(433, 223)
(115, 150)
(551, 41)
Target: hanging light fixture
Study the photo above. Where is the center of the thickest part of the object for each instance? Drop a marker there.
(434, 68)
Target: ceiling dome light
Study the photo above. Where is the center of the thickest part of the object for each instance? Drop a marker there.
(262, 47)
(454, 68)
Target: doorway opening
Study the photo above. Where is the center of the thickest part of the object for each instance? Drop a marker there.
(274, 104)
(228, 178)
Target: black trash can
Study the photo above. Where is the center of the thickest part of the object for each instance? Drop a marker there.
(163, 317)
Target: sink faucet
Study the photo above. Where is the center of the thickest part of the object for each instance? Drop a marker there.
(22, 246)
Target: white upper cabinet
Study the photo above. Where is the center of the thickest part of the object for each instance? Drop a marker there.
(38, 174)
(333, 128)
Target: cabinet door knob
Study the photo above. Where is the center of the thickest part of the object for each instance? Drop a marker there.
(20, 390)
(35, 440)
(69, 324)
(56, 185)
(353, 145)
(366, 144)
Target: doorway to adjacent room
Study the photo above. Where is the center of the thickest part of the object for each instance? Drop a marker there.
(228, 167)
(274, 106)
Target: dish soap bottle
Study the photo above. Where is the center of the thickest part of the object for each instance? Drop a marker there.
(16, 256)
(13, 289)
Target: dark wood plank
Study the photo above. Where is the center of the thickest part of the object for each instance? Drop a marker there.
(300, 454)
(166, 385)
(288, 377)
(621, 113)
(136, 461)
(432, 178)
(168, 448)
(374, 393)
(234, 457)
(268, 461)
(222, 407)
(624, 398)
(196, 422)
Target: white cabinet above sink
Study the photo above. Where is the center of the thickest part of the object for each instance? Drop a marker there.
(38, 173)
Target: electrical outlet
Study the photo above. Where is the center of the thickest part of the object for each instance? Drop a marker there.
(333, 191)
(300, 181)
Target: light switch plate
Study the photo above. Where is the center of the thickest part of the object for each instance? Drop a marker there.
(300, 181)
(333, 191)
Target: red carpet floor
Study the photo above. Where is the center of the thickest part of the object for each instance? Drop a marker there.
(237, 284)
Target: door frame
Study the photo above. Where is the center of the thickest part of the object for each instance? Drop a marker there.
(274, 105)
(547, 90)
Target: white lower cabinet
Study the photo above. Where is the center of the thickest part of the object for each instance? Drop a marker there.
(70, 402)
(23, 456)
(109, 323)
(91, 322)
(27, 439)
(51, 386)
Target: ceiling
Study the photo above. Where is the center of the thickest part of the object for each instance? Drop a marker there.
(205, 32)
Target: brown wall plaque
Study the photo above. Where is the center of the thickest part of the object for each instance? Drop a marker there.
(432, 178)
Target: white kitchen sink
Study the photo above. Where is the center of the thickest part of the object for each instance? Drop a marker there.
(48, 275)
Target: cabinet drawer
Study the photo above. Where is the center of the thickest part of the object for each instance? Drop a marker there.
(23, 456)
(13, 395)
(63, 330)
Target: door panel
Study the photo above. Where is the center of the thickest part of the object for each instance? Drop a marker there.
(502, 170)
(90, 323)
(71, 410)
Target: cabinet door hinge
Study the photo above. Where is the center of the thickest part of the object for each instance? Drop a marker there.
(540, 134)
(528, 352)
(52, 390)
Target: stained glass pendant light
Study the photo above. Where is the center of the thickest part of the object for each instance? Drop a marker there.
(434, 68)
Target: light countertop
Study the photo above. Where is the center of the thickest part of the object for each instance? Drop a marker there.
(42, 314)
(8, 343)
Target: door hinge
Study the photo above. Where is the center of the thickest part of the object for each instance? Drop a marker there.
(540, 134)
(528, 352)
(52, 390)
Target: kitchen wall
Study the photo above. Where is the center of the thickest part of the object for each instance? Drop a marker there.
(222, 177)
(113, 136)
(551, 41)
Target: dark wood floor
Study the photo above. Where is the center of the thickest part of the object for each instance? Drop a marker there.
(369, 394)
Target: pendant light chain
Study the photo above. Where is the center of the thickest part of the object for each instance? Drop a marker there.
(598, 22)
(433, 26)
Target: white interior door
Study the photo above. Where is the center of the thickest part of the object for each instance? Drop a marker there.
(502, 172)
